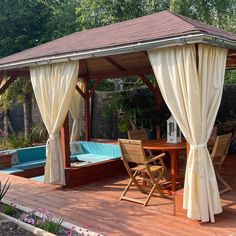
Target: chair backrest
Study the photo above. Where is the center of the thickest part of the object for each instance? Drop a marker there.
(132, 151)
(138, 134)
(220, 148)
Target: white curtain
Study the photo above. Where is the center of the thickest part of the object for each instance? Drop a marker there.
(54, 86)
(193, 97)
(75, 107)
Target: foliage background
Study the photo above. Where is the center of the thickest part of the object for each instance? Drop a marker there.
(28, 23)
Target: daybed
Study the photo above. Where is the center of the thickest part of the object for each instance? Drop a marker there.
(94, 158)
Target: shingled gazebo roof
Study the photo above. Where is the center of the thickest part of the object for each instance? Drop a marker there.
(136, 35)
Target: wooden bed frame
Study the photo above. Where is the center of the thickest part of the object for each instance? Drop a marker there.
(76, 176)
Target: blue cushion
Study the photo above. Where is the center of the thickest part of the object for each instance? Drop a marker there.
(33, 157)
(101, 149)
(73, 158)
(30, 164)
(31, 153)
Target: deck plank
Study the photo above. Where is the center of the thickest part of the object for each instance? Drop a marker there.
(96, 206)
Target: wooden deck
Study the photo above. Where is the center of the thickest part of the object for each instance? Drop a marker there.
(96, 206)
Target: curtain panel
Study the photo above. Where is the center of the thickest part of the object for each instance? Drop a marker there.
(75, 107)
(193, 96)
(54, 86)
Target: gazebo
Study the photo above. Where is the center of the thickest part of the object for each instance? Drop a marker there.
(188, 59)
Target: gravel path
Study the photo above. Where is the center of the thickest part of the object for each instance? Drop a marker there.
(12, 229)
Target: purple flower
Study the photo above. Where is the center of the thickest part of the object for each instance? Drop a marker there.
(31, 221)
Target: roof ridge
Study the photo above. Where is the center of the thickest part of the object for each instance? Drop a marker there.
(186, 19)
(198, 25)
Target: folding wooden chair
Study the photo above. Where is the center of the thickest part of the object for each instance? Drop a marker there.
(132, 152)
(219, 152)
(137, 134)
(141, 134)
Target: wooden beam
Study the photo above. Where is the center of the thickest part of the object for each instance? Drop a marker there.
(155, 90)
(148, 84)
(7, 84)
(231, 53)
(231, 62)
(1, 79)
(118, 74)
(97, 82)
(65, 142)
(84, 66)
(15, 73)
(87, 113)
(80, 91)
(115, 64)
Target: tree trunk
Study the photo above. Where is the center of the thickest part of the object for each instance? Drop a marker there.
(5, 122)
(28, 115)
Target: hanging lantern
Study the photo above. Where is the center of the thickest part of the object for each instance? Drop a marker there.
(173, 131)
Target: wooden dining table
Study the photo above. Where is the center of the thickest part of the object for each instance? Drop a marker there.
(173, 150)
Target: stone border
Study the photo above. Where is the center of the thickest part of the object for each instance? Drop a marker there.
(28, 227)
(38, 231)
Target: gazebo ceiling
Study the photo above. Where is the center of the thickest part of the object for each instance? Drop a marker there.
(114, 66)
(120, 49)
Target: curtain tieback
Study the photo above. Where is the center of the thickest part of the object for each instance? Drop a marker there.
(197, 146)
(52, 136)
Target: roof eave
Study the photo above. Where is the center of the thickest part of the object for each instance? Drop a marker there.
(136, 47)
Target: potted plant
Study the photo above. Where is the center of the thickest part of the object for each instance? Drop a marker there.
(135, 109)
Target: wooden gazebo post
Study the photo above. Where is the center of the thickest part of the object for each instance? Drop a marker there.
(87, 94)
(65, 142)
(87, 112)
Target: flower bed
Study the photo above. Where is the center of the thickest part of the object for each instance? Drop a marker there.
(40, 221)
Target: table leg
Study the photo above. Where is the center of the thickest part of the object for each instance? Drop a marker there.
(173, 170)
(177, 164)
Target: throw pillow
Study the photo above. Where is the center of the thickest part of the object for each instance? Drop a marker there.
(75, 148)
(14, 159)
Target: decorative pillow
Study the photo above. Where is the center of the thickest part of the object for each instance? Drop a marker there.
(75, 148)
(81, 163)
(14, 159)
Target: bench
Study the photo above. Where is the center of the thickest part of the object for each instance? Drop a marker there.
(35, 157)
(96, 152)
(26, 158)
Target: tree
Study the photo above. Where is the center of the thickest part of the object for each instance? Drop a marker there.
(24, 95)
(6, 103)
(23, 23)
(62, 19)
(27, 23)
(95, 13)
(221, 14)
